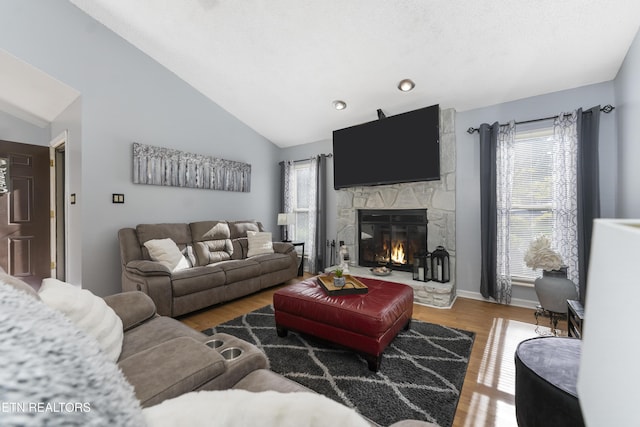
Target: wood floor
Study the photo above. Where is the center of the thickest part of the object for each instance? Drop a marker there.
(487, 397)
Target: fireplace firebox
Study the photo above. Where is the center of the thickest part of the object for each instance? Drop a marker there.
(391, 237)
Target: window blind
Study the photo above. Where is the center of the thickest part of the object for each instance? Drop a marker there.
(531, 208)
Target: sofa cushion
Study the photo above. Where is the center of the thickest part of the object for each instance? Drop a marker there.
(236, 271)
(259, 243)
(272, 262)
(153, 332)
(132, 308)
(210, 251)
(240, 228)
(197, 279)
(240, 248)
(171, 368)
(87, 311)
(212, 241)
(166, 251)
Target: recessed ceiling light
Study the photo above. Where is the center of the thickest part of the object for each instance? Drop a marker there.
(339, 105)
(406, 85)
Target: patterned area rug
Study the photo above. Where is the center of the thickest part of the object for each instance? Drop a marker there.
(420, 376)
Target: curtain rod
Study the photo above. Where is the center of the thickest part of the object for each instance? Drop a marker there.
(309, 158)
(606, 109)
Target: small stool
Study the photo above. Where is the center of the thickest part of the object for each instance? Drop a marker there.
(546, 376)
(366, 323)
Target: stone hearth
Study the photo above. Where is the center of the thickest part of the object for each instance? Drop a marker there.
(438, 197)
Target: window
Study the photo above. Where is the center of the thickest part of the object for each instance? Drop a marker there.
(531, 212)
(300, 203)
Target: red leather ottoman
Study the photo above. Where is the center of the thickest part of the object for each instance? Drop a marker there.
(366, 323)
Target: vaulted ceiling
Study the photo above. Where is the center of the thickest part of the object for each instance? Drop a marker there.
(278, 65)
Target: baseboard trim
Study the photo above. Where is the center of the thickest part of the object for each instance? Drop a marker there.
(517, 302)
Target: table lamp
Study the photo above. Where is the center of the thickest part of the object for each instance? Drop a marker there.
(286, 219)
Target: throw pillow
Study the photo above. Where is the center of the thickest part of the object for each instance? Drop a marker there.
(259, 243)
(236, 408)
(167, 252)
(88, 312)
(53, 374)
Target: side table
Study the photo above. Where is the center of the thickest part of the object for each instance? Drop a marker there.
(575, 318)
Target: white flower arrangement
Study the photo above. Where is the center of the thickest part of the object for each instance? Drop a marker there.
(540, 255)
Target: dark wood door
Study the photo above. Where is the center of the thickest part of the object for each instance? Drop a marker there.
(24, 212)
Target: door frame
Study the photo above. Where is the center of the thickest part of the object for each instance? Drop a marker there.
(54, 144)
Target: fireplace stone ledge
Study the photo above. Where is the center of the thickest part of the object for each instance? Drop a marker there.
(433, 294)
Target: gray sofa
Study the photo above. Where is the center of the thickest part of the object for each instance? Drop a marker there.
(161, 358)
(221, 271)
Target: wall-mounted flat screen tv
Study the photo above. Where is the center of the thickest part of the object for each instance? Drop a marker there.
(400, 148)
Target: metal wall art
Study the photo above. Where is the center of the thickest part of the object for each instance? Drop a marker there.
(4, 174)
(164, 166)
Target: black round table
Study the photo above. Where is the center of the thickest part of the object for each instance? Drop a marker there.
(546, 377)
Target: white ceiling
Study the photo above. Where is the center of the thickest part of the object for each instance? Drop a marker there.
(277, 65)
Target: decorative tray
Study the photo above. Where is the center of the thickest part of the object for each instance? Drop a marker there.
(352, 285)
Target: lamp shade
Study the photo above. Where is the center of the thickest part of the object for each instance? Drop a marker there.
(285, 218)
(609, 370)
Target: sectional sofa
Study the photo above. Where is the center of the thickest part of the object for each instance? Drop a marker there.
(224, 260)
(55, 370)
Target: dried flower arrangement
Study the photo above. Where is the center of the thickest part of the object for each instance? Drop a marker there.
(540, 255)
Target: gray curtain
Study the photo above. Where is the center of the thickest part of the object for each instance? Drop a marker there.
(321, 216)
(588, 188)
(488, 209)
(283, 191)
(282, 184)
(319, 260)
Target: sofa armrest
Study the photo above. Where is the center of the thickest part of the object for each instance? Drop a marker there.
(282, 247)
(171, 369)
(133, 308)
(148, 268)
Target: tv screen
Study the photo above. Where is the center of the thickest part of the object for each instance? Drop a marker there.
(401, 148)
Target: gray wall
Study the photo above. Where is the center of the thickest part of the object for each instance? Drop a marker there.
(17, 130)
(627, 89)
(468, 167)
(127, 97)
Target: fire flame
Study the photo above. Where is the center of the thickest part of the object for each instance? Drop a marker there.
(397, 254)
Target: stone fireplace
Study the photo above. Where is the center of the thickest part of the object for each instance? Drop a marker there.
(436, 198)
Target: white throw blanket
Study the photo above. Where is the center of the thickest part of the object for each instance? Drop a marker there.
(54, 374)
(241, 408)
